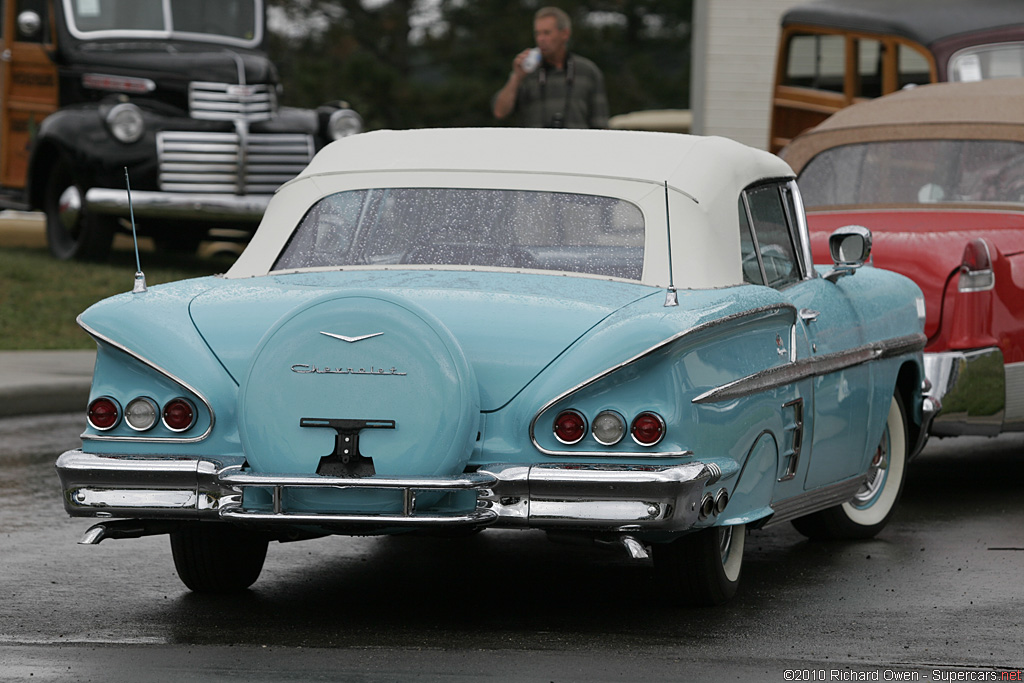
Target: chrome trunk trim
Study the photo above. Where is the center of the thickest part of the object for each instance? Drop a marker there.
(752, 313)
(174, 378)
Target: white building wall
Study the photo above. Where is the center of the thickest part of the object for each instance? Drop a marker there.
(734, 44)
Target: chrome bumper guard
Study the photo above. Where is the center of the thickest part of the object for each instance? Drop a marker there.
(968, 392)
(596, 497)
(177, 205)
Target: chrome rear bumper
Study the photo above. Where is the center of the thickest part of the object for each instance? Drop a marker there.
(595, 497)
(968, 392)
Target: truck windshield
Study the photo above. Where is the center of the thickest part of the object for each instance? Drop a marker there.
(235, 21)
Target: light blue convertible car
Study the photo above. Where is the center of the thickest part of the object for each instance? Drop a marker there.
(608, 335)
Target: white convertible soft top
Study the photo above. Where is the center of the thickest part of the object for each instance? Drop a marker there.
(705, 176)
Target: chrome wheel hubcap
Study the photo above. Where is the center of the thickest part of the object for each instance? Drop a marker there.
(69, 208)
(877, 473)
(725, 542)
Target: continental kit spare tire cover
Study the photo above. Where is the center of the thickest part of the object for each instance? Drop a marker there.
(359, 356)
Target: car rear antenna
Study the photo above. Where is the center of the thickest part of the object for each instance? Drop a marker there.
(140, 278)
(671, 297)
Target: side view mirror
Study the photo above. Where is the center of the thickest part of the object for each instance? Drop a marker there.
(850, 247)
(29, 24)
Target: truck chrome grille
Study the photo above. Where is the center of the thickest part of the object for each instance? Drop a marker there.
(214, 162)
(229, 101)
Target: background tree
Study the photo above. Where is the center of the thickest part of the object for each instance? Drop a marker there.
(416, 63)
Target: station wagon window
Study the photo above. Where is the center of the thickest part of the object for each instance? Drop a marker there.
(816, 61)
(869, 68)
(470, 227)
(764, 218)
(912, 67)
(819, 61)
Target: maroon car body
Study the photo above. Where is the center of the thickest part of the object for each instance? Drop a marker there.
(937, 174)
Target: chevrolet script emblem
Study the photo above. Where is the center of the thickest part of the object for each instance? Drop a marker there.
(351, 340)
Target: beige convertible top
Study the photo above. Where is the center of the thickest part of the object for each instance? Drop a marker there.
(699, 178)
(982, 110)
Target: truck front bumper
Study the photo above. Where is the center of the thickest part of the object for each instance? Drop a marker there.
(612, 498)
(177, 205)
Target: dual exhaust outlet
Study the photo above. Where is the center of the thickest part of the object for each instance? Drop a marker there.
(709, 505)
(713, 505)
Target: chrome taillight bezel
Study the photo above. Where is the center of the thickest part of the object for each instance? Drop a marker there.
(156, 413)
(167, 406)
(981, 277)
(617, 416)
(662, 428)
(583, 429)
(117, 419)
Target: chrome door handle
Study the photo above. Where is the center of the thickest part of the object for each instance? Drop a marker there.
(5, 56)
(808, 315)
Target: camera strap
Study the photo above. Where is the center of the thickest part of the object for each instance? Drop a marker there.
(570, 79)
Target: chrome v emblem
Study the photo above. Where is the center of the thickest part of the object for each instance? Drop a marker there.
(351, 340)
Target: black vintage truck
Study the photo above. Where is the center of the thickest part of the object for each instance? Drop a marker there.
(180, 92)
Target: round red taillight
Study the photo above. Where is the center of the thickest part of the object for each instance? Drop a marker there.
(648, 428)
(104, 413)
(179, 414)
(570, 427)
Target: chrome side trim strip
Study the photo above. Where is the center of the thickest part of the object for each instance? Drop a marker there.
(813, 501)
(812, 367)
(763, 311)
(151, 439)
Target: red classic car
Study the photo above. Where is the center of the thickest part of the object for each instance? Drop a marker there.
(937, 174)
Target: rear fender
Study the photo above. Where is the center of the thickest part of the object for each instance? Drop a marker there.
(752, 495)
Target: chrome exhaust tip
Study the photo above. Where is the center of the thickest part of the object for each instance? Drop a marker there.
(721, 500)
(126, 528)
(635, 549)
(707, 506)
(94, 535)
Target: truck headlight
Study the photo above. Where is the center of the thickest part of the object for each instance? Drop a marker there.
(344, 122)
(125, 121)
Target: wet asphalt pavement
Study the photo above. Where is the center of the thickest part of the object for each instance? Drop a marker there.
(939, 595)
